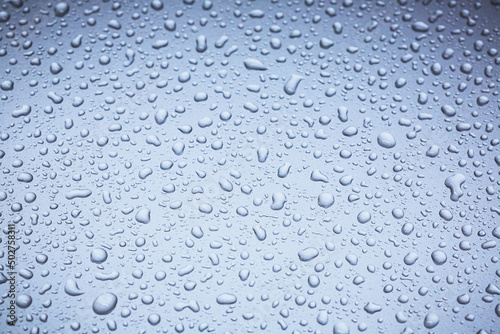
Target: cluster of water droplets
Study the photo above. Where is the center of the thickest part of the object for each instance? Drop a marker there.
(251, 166)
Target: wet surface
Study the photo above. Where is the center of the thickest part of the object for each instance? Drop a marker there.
(251, 166)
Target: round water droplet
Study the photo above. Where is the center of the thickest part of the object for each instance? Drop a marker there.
(98, 255)
(326, 200)
(386, 140)
(105, 303)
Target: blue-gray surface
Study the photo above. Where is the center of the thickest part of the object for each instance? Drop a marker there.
(251, 166)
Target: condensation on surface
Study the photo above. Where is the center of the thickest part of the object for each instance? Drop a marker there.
(251, 166)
